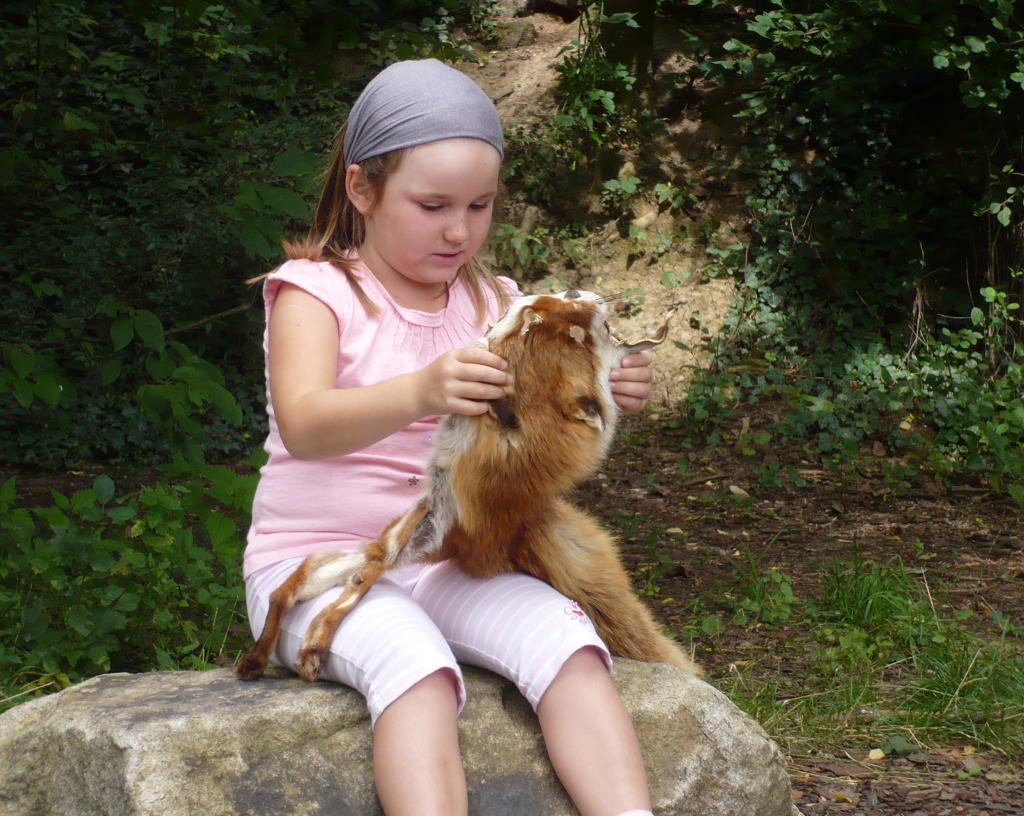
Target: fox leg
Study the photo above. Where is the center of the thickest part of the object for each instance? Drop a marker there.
(378, 556)
(315, 574)
(579, 559)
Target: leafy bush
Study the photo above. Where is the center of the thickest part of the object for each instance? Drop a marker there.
(881, 175)
(99, 582)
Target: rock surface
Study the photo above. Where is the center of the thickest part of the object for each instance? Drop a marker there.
(184, 743)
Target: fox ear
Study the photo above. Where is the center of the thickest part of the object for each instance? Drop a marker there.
(528, 319)
(502, 410)
(588, 410)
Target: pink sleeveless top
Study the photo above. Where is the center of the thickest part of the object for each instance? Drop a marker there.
(302, 507)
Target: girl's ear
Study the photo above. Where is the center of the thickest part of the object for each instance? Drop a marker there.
(357, 190)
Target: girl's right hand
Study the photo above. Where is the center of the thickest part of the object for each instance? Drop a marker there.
(462, 381)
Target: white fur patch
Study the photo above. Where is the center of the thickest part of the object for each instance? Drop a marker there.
(330, 573)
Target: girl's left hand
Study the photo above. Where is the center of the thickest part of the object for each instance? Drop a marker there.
(631, 382)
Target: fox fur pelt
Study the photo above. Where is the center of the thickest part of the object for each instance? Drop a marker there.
(496, 487)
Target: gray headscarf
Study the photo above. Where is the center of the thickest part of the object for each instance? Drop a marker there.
(418, 101)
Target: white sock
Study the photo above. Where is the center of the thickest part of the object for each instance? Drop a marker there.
(637, 813)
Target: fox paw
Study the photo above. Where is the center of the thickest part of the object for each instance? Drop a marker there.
(250, 666)
(309, 664)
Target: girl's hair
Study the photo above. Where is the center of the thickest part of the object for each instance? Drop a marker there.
(338, 229)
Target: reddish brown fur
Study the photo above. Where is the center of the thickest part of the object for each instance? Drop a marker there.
(251, 665)
(509, 484)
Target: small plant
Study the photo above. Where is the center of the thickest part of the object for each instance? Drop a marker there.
(764, 596)
(618, 191)
(591, 84)
(522, 250)
(672, 197)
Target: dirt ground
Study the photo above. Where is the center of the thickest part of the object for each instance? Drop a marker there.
(973, 542)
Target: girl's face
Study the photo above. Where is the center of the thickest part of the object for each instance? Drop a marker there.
(431, 217)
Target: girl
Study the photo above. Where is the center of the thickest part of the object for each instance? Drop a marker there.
(370, 331)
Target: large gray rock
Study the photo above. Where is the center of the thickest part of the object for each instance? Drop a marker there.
(207, 744)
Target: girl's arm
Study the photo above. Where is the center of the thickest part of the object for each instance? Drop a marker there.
(318, 420)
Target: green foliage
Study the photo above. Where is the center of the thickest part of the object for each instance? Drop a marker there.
(67, 383)
(884, 141)
(887, 661)
(107, 581)
(591, 85)
(522, 250)
(550, 160)
(762, 596)
(143, 179)
(880, 615)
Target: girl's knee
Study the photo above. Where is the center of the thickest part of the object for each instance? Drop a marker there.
(588, 659)
(586, 668)
(439, 692)
(440, 686)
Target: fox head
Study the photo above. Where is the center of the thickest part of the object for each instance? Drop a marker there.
(561, 350)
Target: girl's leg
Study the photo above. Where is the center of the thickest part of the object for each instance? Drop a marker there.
(590, 739)
(388, 649)
(416, 762)
(521, 628)
(383, 647)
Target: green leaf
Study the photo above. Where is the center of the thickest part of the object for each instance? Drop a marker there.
(255, 243)
(220, 528)
(101, 561)
(103, 488)
(22, 359)
(134, 98)
(23, 393)
(160, 368)
(977, 316)
(225, 402)
(150, 329)
(110, 371)
(295, 162)
(157, 31)
(72, 121)
(283, 200)
(47, 388)
(121, 332)
(1003, 216)
(976, 44)
(899, 745)
(121, 514)
(79, 620)
(154, 401)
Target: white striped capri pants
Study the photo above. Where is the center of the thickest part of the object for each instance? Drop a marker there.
(422, 618)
